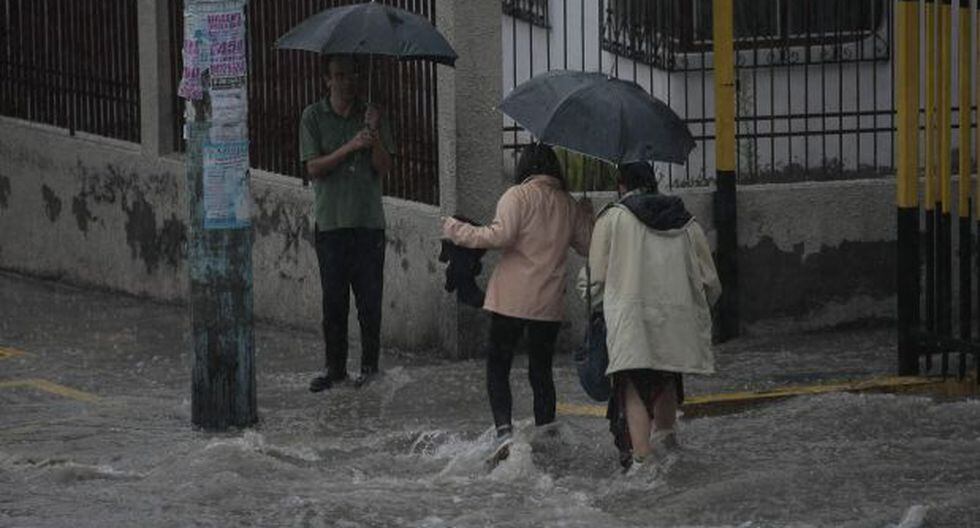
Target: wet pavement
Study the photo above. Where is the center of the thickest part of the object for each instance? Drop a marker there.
(408, 449)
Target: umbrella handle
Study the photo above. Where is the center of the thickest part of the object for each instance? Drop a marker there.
(370, 69)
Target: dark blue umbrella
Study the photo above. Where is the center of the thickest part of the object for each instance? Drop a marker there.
(370, 29)
(599, 116)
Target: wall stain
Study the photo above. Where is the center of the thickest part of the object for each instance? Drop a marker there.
(152, 244)
(272, 216)
(776, 283)
(149, 243)
(398, 245)
(405, 265)
(4, 191)
(79, 208)
(52, 204)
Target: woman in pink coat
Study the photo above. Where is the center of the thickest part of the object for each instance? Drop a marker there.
(537, 220)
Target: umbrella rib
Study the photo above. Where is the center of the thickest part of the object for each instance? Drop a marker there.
(329, 41)
(622, 131)
(564, 100)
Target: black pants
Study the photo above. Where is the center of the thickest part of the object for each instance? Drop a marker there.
(351, 259)
(505, 333)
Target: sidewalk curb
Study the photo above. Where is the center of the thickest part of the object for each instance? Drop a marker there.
(729, 402)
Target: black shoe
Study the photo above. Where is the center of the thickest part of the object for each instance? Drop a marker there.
(365, 377)
(322, 383)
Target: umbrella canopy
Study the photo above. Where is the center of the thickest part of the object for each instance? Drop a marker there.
(599, 116)
(370, 29)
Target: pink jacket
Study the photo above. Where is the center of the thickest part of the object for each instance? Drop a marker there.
(535, 224)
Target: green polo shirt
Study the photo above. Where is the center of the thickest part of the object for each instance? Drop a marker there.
(350, 195)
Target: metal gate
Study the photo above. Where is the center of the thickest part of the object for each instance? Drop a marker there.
(936, 307)
(814, 77)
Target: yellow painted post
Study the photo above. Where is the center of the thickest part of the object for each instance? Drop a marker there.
(964, 16)
(725, 195)
(907, 196)
(945, 105)
(964, 57)
(932, 54)
(944, 250)
(977, 200)
(907, 91)
(724, 50)
(931, 176)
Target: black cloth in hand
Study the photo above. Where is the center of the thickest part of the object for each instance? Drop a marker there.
(464, 266)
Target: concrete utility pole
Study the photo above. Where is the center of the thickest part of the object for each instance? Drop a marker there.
(213, 83)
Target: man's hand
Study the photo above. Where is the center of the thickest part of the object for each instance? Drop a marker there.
(364, 139)
(372, 117)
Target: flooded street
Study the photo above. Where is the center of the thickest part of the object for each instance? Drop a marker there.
(408, 450)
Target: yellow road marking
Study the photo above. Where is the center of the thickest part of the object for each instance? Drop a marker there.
(10, 352)
(716, 403)
(53, 388)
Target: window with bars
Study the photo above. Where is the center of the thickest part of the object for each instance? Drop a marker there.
(660, 32)
(533, 11)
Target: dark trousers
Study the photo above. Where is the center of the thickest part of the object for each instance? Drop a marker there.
(505, 334)
(351, 259)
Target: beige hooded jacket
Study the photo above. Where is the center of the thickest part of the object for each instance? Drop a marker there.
(656, 288)
(535, 224)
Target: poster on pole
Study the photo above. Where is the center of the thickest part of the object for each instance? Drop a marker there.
(226, 39)
(214, 48)
(214, 78)
(229, 109)
(226, 189)
(195, 55)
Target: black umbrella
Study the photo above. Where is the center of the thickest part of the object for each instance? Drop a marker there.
(370, 29)
(599, 116)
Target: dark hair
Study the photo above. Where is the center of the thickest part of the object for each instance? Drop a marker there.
(538, 158)
(638, 175)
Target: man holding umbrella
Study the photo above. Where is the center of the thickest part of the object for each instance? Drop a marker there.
(345, 147)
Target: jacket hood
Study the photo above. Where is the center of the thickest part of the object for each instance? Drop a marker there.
(658, 211)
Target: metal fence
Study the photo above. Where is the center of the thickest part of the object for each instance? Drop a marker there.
(283, 82)
(626, 39)
(815, 78)
(72, 64)
(938, 218)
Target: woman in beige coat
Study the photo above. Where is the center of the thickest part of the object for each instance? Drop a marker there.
(653, 273)
(535, 224)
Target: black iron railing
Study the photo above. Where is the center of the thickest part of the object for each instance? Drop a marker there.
(72, 64)
(283, 82)
(533, 11)
(815, 88)
(670, 34)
